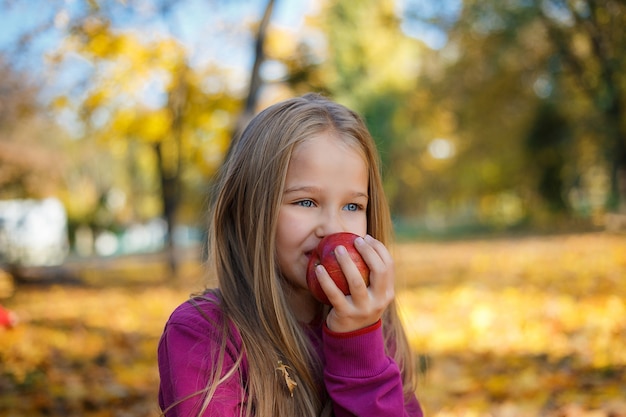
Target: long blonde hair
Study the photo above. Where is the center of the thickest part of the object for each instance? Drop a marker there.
(242, 254)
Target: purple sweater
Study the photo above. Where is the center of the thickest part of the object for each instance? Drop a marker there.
(360, 378)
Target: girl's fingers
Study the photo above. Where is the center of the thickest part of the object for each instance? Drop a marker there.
(353, 275)
(334, 294)
(365, 305)
(380, 263)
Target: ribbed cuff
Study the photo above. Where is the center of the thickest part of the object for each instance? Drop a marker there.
(358, 332)
(356, 354)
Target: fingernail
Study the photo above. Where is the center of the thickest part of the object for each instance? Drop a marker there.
(359, 241)
(341, 250)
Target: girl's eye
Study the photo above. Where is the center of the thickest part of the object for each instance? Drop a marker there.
(352, 207)
(305, 203)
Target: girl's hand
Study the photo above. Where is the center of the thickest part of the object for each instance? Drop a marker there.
(365, 305)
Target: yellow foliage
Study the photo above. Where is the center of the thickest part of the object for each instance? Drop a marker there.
(281, 44)
(155, 126)
(100, 45)
(60, 102)
(123, 120)
(80, 198)
(96, 99)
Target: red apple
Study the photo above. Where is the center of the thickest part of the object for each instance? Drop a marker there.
(325, 254)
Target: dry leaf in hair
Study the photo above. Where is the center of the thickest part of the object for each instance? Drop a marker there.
(291, 384)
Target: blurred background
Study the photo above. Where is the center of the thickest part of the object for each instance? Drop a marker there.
(502, 131)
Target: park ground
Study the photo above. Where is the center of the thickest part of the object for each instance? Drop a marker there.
(530, 326)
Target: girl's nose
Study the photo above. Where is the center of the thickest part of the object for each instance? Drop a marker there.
(329, 223)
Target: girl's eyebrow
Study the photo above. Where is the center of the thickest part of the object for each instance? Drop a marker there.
(299, 188)
(316, 190)
(357, 194)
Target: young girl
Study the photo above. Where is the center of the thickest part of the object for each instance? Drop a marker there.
(259, 344)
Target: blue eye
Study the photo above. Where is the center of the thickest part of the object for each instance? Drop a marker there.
(352, 207)
(305, 203)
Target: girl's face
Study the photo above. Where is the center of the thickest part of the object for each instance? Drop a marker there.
(325, 192)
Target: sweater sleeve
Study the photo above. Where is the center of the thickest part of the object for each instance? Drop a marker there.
(187, 358)
(361, 379)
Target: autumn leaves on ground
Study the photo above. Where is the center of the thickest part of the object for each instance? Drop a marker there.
(504, 327)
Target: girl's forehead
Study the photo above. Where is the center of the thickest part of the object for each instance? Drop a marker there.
(344, 141)
(326, 162)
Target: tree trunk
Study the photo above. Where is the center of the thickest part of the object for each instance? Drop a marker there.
(170, 165)
(170, 196)
(616, 155)
(255, 75)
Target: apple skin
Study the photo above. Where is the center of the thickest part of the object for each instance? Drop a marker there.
(325, 254)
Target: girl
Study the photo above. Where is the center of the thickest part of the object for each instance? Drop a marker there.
(260, 344)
